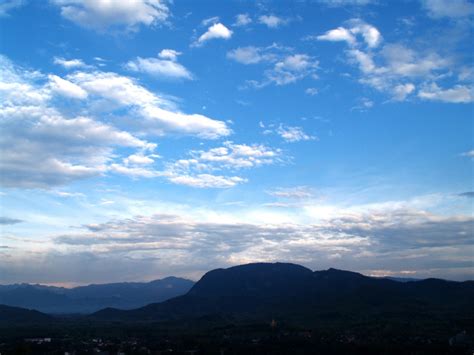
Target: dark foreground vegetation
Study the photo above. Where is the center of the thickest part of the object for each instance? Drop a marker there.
(265, 309)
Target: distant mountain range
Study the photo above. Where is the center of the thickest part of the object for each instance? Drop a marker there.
(88, 299)
(292, 292)
(254, 292)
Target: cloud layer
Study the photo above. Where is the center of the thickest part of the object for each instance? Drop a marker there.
(395, 239)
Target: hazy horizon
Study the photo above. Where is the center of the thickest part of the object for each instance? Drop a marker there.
(152, 138)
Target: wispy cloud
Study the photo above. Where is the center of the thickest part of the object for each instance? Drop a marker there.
(272, 21)
(283, 67)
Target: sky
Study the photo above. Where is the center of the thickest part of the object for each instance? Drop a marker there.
(148, 138)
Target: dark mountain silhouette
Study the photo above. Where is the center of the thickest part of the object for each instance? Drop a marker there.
(10, 315)
(87, 299)
(288, 291)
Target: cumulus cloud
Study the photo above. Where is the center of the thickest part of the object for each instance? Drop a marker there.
(196, 170)
(105, 14)
(399, 64)
(272, 21)
(66, 88)
(213, 168)
(292, 68)
(169, 54)
(159, 118)
(369, 34)
(69, 63)
(50, 149)
(338, 3)
(139, 159)
(216, 31)
(448, 8)
(401, 91)
(293, 134)
(43, 146)
(166, 66)
(285, 68)
(337, 35)
(311, 91)
(249, 55)
(456, 94)
(398, 70)
(242, 20)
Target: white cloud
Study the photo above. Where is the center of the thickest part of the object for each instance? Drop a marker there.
(400, 63)
(363, 104)
(338, 34)
(448, 8)
(358, 238)
(286, 68)
(104, 14)
(69, 64)
(456, 94)
(406, 62)
(337, 3)
(210, 20)
(43, 147)
(298, 192)
(162, 68)
(206, 180)
(242, 20)
(66, 88)
(134, 171)
(469, 154)
(139, 159)
(217, 30)
(401, 91)
(248, 55)
(231, 156)
(272, 21)
(169, 54)
(292, 68)
(40, 148)
(196, 170)
(159, 118)
(311, 91)
(364, 60)
(293, 134)
(388, 69)
(369, 33)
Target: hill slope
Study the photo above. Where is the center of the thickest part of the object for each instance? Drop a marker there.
(10, 315)
(260, 291)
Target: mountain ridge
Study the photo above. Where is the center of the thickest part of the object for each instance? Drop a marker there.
(93, 297)
(264, 289)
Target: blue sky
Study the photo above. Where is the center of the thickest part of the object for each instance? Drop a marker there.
(149, 138)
